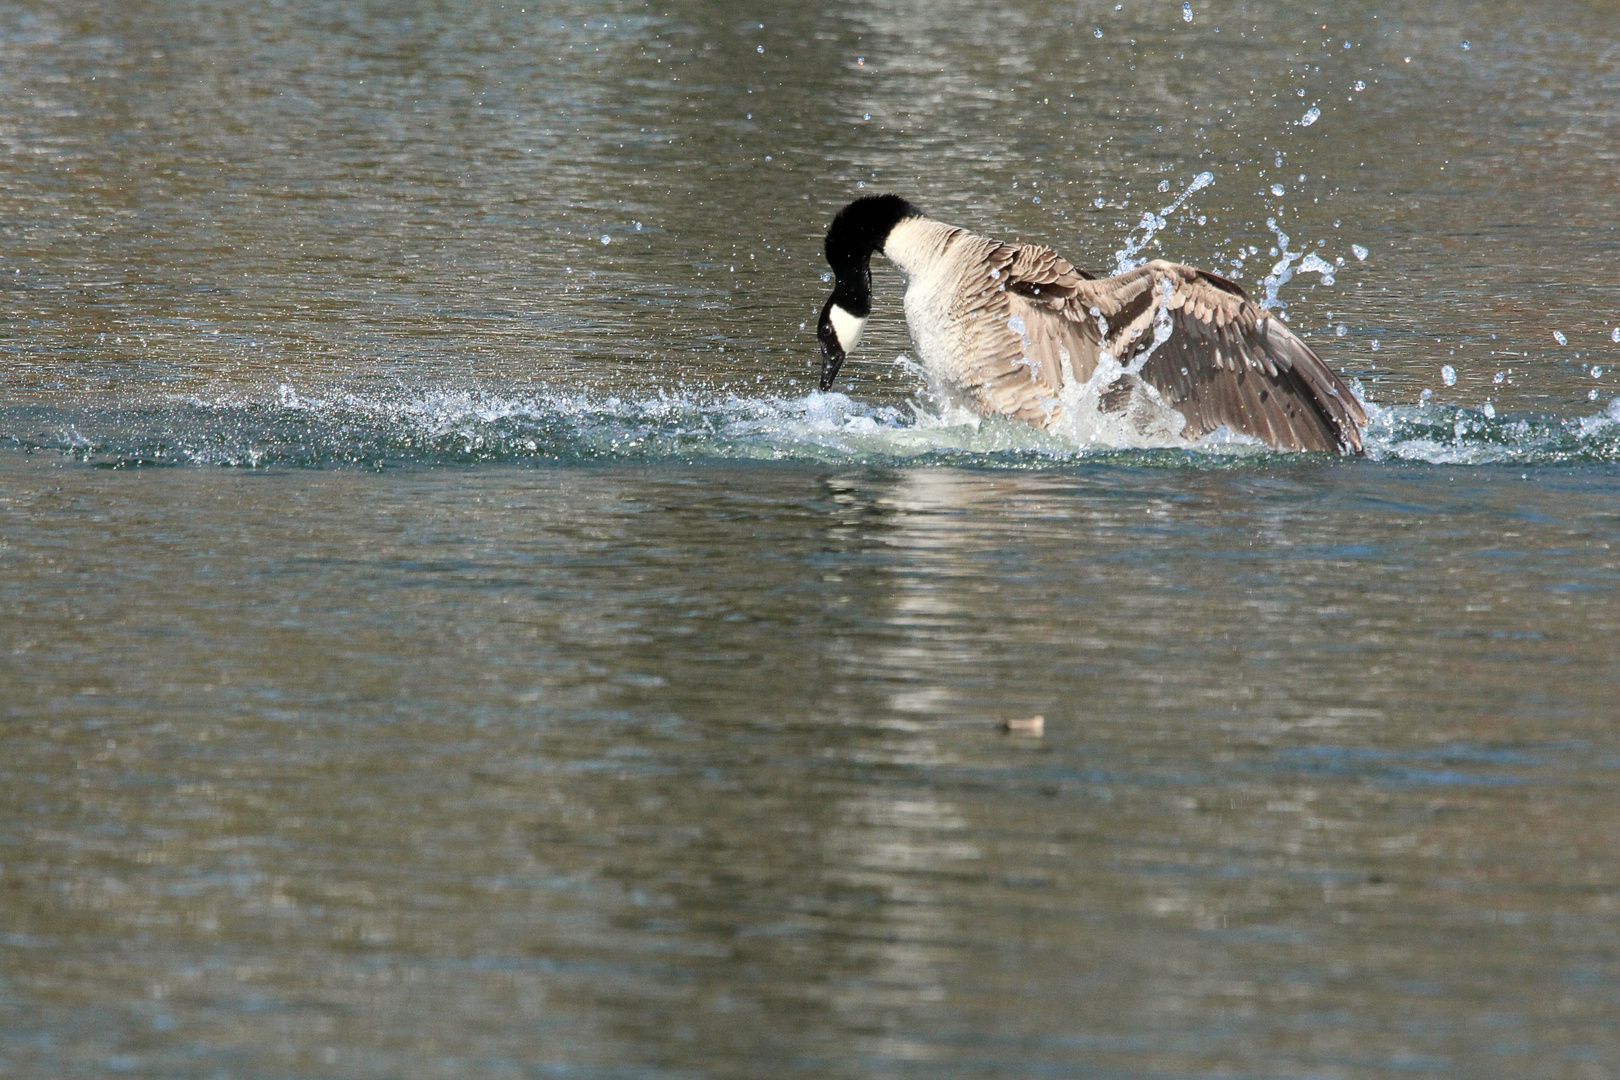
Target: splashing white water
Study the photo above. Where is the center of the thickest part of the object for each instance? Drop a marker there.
(1152, 224)
(1283, 270)
(1113, 413)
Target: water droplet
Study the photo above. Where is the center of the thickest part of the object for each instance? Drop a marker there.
(868, 116)
(1347, 44)
(1099, 203)
(1360, 252)
(1500, 375)
(1597, 373)
(1591, 395)
(1164, 185)
(1466, 46)
(1448, 375)
(1340, 330)
(860, 61)
(1278, 189)
(1201, 181)
(1360, 85)
(1186, 13)
(759, 48)
(1558, 336)
(606, 239)
(994, 273)
(1375, 345)
(1426, 395)
(638, 224)
(1312, 115)
(1489, 410)
(1097, 32)
(1615, 336)
(826, 276)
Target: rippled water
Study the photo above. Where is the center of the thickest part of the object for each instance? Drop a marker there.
(446, 634)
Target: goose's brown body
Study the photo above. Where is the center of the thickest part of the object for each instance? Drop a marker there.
(1008, 326)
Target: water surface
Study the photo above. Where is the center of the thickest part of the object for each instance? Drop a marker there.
(441, 643)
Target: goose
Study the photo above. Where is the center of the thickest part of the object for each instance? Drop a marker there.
(1004, 328)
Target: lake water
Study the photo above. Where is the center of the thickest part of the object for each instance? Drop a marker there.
(445, 634)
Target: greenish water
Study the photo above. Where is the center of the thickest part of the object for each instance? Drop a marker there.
(439, 643)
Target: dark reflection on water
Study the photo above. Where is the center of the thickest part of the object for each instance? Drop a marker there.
(523, 674)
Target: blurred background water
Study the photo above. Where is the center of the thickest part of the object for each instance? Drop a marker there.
(446, 635)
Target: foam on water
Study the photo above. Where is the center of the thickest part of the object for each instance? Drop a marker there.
(427, 425)
(1443, 434)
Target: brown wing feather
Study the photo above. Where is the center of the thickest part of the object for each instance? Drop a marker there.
(1225, 362)
(1228, 362)
(1033, 322)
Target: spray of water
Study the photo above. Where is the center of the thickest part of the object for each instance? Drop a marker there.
(332, 427)
(1152, 224)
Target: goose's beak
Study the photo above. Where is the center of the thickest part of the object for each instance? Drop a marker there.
(832, 358)
(839, 332)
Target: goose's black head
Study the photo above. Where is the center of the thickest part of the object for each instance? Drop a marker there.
(859, 229)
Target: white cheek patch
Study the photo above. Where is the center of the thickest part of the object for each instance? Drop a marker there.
(848, 328)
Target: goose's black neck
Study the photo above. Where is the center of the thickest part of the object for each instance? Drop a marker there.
(859, 229)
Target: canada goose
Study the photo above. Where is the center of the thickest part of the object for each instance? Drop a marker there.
(1008, 326)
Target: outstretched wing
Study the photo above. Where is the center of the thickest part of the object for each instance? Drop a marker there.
(1221, 360)
(1212, 354)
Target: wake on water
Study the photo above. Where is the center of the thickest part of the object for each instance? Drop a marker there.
(427, 425)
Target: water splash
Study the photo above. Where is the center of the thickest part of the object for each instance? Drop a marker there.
(336, 428)
(1152, 224)
(1446, 435)
(1283, 270)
